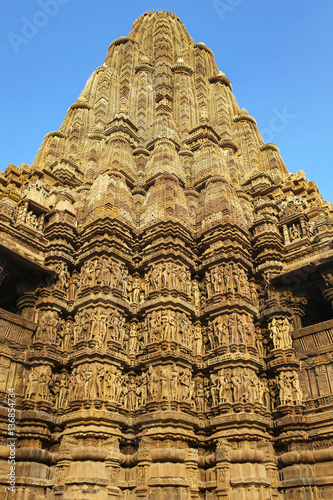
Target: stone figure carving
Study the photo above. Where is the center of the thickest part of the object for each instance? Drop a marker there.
(185, 393)
(48, 327)
(295, 232)
(236, 329)
(164, 383)
(143, 389)
(297, 391)
(63, 391)
(280, 331)
(254, 294)
(196, 294)
(99, 325)
(52, 326)
(31, 219)
(214, 390)
(94, 376)
(152, 383)
(220, 386)
(286, 333)
(240, 329)
(290, 391)
(38, 382)
(73, 285)
(168, 383)
(32, 383)
(245, 386)
(232, 331)
(167, 275)
(63, 275)
(220, 329)
(110, 383)
(40, 333)
(199, 396)
(65, 335)
(211, 334)
(135, 290)
(197, 343)
(259, 342)
(249, 332)
(228, 279)
(78, 380)
(133, 339)
(236, 386)
(275, 334)
(167, 325)
(104, 272)
(174, 380)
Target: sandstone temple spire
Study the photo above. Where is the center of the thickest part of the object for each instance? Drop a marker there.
(166, 288)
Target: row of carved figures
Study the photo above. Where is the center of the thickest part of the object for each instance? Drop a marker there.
(228, 281)
(105, 325)
(238, 386)
(163, 383)
(106, 272)
(225, 280)
(244, 386)
(102, 325)
(94, 381)
(42, 385)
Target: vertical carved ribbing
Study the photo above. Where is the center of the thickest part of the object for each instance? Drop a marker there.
(141, 101)
(201, 83)
(185, 112)
(220, 109)
(126, 72)
(104, 106)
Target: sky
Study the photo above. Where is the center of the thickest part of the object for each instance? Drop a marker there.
(277, 54)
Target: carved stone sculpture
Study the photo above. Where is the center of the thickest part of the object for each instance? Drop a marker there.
(165, 293)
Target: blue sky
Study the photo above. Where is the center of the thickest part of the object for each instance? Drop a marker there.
(277, 54)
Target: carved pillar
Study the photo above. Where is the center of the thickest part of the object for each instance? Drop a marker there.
(286, 234)
(298, 308)
(112, 464)
(22, 212)
(192, 472)
(26, 306)
(328, 288)
(3, 269)
(143, 465)
(64, 460)
(41, 222)
(304, 227)
(322, 380)
(222, 472)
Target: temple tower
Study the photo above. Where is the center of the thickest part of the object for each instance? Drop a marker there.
(166, 293)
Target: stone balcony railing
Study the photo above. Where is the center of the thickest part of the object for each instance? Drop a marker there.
(314, 339)
(314, 346)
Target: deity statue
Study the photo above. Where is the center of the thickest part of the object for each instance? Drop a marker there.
(196, 294)
(152, 383)
(133, 339)
(236, 386)
(197, 344)
(174, 380)
(63, 390)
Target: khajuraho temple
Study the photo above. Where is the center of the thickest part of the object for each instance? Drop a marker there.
(166, 295)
